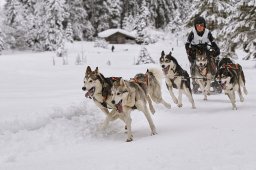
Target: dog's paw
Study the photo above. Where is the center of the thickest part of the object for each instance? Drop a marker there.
(234, 108)
(153, 133)
(168, 106)
(179, 105)
(175, 101)
(129, 140)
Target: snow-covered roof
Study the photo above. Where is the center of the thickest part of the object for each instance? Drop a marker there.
(110, 32)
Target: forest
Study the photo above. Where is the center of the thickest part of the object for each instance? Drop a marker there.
(45, 25)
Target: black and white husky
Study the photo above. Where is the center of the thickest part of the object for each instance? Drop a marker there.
(98, 88)
(232, 79)
(176, 77)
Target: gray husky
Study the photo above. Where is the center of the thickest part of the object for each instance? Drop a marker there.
(176, 77)
(151, 84)
(202, 72)
(98, 88)
(127, 96)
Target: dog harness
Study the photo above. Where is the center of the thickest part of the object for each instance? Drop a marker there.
(231, 66)
(145, 81)
(203, 71)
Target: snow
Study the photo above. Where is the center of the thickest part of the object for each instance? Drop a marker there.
(109, 32)
(46, 123)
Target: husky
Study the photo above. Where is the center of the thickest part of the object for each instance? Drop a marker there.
(232, 79)
(176, 77)
(203, 72)
(151, 84)
(224, 62)
(98, 88)
(127, 96)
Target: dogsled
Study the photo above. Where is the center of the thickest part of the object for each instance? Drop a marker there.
(203, 69)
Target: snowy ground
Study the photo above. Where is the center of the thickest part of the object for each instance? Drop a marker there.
(46, 123)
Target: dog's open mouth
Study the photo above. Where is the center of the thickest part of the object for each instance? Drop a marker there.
(223, 85)
(119, 107)
(90, 92)
(166, 69)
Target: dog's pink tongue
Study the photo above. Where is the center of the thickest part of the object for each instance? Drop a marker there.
(119, 107)
(87, 94)
(165, 70)
(223, 85)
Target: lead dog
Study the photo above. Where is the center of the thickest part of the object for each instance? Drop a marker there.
(232, 79)
(151, 84)
(176, 77)
(127, 96)
(98, 88)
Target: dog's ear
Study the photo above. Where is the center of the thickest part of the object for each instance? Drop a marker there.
(88, 70)
(162, 54)
(170, 53)
(122, 83)
(97, 70)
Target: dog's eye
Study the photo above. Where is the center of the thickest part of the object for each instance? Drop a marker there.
(118, 93)
(90, 81)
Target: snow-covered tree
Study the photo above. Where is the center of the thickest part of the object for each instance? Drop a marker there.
(69, 32)
(142, 21)
(240, 29)
(104, 18)
(56, 13)
(128, 23)
(15, 22)
(144, 57)
(1, 41)
(114, 8)
(215, 13)
(80, 24)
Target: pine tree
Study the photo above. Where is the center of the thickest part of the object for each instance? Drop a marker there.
(81, 26)
(114, 9)
(129, 23)
(69, 32)
(215, 13)
(1, 41)
(104, 18)
(142, 21)
(15, 22)
(144, 57)
(240, 29)
(56, 13)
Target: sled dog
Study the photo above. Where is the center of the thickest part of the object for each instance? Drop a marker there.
(151, 84)
(203, 73)
(126, 96)
(98, 88)
(232, 79)
(176, 77)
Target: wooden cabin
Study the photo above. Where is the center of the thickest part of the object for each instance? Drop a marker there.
(117, 36)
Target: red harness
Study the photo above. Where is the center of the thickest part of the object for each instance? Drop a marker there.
(231, 66)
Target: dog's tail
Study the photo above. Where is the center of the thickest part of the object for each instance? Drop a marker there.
(242, 75)
(158, 74)
(243, 79)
